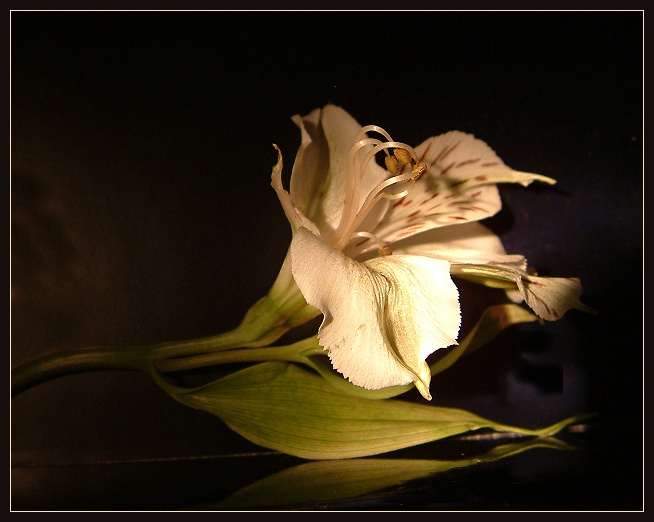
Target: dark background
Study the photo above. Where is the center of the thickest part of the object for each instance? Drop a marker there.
(141, 211)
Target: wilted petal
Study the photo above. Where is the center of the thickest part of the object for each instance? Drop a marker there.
(382, 318)
(459, 186)
(549, 297)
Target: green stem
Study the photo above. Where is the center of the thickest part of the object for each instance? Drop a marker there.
(296, 352)
(111, 358)
(266, 321)
(74, 361)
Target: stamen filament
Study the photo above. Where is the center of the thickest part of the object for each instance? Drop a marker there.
(353, 215)
(382, 247)
(353, 182)
(372, 199)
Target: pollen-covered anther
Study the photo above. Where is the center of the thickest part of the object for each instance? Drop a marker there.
(403, 156)
(392, 165)
(385, 251)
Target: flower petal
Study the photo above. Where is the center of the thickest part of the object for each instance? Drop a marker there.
(459, 186)
(319, 177)
(309, 177)
(382, 318)
(463, 243)
(552, 297)
(476, 253)
(294, 215)
(549, 297)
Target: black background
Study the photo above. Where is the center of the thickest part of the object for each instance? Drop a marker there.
(141, 211)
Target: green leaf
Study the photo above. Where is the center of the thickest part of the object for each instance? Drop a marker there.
(330, 480)
(283, 407)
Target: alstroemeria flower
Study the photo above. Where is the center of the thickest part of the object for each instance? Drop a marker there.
(374, 248)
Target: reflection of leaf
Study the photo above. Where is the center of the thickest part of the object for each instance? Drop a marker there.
(289, 409)
(331, 480)
(494, 319)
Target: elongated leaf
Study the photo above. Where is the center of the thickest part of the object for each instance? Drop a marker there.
(281, 406)
(330, 480)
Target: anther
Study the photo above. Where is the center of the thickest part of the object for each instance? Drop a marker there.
(392, 165)
(403, 156)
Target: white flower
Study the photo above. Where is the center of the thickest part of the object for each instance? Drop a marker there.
(374, 248)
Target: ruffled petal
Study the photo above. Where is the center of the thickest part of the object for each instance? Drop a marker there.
(476, 253)
(459, 186)
(382, 318)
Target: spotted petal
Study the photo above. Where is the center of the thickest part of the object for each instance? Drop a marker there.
(459, 186)
(383, 317)
(549, 297)
(477, 254)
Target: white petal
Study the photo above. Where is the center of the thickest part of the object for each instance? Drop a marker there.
(382, 318)
(459, 186)
(294, 215)
(318, 180)
(552, 297)
(465, 243)
(310, 182)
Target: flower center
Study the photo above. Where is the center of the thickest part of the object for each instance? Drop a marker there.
(399, 158)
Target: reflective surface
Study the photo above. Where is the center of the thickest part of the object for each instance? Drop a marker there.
(142, 212)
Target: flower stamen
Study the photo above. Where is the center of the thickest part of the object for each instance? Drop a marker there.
(402, 156)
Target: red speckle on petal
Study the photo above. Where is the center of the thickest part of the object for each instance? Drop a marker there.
(471, 207)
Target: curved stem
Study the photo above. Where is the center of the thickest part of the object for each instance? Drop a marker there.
(73, 361)
(266, 321)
